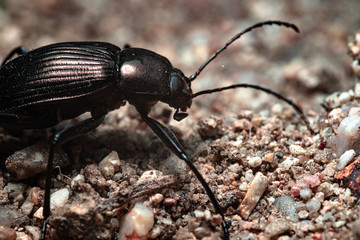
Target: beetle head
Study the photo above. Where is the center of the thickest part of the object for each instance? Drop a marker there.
(180, 94)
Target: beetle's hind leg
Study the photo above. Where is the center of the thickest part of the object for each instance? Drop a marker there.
(60, 138)
(19, 51)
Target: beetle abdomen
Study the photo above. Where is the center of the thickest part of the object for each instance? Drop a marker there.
(57, 72)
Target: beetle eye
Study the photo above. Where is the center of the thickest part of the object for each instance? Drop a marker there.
(176, 84)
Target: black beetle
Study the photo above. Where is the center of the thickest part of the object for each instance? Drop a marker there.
(45, 86)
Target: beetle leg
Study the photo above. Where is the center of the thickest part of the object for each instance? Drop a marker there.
(170, 140)
(60, 138)
(23, 122)
(19, 51)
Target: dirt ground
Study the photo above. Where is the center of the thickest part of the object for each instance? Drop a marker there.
(247, 144)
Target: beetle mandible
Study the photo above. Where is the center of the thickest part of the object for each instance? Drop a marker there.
(42, 87)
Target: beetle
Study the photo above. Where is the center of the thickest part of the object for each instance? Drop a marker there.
(43, 87)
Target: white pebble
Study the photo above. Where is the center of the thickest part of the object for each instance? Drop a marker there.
(348, 136)
(344, 97)
(77, 178)
(59, 198)
(290, 161)
(345, 158)
(296, 150)
(149, 175)
(255, 161)
(305, 193)
(313, 205)
(109, 165)
(136, 223)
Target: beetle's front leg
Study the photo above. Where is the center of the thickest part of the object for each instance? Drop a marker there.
(60, 138)
(170, 140)
(19, 51)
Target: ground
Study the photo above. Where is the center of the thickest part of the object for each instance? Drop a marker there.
(243, 141)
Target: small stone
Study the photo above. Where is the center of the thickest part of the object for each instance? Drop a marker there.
(110, 165)
(345, 158)
(303, 214)
(312, 180)
(59, 198)
(286, 205)
(255, 161)
(137, 223)
(277, 227)
(201, 232)
(296, 150)
(33, 160)
(11, 217)
(305, 193)
(169, 201)
(313, 205)
(289, 161)
(33, 232)
(199, 214)
(14, 189)
(149, 175)
(93, 176)
(156, 199)
(253, 195)
(7, 233)
(339, 224)
(269, 157)
(242, 124)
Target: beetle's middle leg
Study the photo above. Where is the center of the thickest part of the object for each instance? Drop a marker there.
(19, 51)
(170, 140)
(60, 138)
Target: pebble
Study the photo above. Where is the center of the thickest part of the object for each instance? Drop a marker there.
(110, 165)
(288, 162)
(31, 200)
(253, 195)
(303, 214)
(296, 149)
(339, 224)
(313, 205)
(345, 159)
(149, 175)
(59, 198)
(286, 205)
(33, 232)
(305, 193)
(312, 180)
(254, 161)
(15, 189)
(277, 227)
(137, 223)
(169, 202)
(335, 116)
(33, 160)
(348, 136)
(93, 176)
(156, 199)
(11, 217)
(7, 233)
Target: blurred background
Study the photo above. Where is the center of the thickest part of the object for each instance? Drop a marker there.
(305, 67)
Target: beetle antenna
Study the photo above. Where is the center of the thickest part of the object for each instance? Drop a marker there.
(237, 36)
(296, 107)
